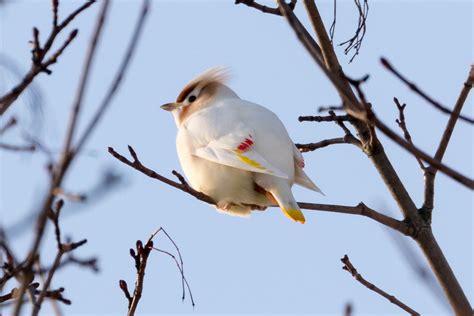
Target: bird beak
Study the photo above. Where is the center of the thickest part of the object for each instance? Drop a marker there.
(169, 106)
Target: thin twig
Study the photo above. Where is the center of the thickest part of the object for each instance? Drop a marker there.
(332, 117)
(320, 56)
(353, 271)
(11, 122)
(360, 209)
(90, 263)
(263, 8)
(180, 268)
(304, 148)
(355, 42)
(332, 28)
(140, 256)
(24, 148)
(403, 126)
(418, 91)
(330, 108)
(180, 265)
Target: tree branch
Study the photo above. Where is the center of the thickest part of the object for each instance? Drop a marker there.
(403, 126)
(304, 148)
(418, 91)
(353, 271)
(376, 153)
(140, 256)
(24, 148)
(263, 8)
(430, 174)
(355, 42)
(11, 122)
(339, 120)
(39, 64)
(360, 209)
(62, 249)
(326, 118)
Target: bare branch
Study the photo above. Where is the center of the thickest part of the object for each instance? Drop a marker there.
(136, 164)
(324, 143)
(330, 108)
(355, 42)
(430, 175)
(11, 122)
(179, 264)
(62, 249)
(141, 259)
(326, 118)
(89, 263)
(360, 209)
(332, 28)
(403, 126)
(77, 104)
(418, 91)
(373, 119)
(353, 271)
(39, 64)
(332, 117)
(140, 256)
(263, 8)
(321, 57)
(363, 210)
(24, 148)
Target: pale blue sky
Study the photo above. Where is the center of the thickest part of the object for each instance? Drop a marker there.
(264, 264)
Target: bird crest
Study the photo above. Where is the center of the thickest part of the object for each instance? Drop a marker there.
(214, 75)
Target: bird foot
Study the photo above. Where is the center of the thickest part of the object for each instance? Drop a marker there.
(224, 205)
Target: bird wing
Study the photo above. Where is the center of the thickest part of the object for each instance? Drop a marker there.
(237, 150)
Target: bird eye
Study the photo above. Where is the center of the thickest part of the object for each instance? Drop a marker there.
(192, 98)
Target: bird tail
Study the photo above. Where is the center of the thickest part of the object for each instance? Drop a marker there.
(287, 203)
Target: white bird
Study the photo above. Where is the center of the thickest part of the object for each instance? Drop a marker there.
(235, 151)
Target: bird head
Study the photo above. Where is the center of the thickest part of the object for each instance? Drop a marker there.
(198, 93)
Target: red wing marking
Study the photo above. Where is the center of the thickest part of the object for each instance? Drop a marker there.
(245, 145)
(300, 162)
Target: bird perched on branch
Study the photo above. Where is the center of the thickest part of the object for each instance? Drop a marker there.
(235, 151)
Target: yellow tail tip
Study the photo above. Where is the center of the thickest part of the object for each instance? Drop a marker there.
(294, 214)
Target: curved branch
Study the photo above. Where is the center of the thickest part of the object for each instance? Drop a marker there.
(353, 271)
(360, 209)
